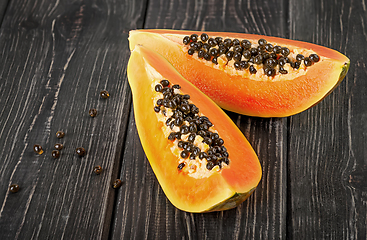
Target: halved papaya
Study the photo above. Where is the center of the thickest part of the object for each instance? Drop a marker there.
(234, 69)
(169, 111)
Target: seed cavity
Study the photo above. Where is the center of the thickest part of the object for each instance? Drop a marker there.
(190, 131)
(247, 56)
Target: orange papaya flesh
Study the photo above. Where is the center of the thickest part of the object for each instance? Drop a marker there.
(250, 94)
(217, 190)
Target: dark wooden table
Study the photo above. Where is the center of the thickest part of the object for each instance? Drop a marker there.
(56, 57)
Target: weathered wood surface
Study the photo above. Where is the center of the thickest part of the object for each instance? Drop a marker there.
(56, 56)
(3, 6)
(327, 144)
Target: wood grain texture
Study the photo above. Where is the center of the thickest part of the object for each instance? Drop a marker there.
(327, 145)
(56, 58)
(143, 211)
(3, 6)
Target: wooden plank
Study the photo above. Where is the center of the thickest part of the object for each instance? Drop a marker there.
(56, 58)
(142, 210)
(327, 144)
(3, 6)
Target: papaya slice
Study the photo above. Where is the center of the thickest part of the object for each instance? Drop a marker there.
(200, 181)
(234, 69)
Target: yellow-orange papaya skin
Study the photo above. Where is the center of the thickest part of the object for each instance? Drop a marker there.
(222, 190)
(243, 95)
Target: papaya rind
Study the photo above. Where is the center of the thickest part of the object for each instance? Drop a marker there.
(231, 202)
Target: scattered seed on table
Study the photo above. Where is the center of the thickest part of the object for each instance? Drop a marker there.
(14, 188)
(38, 149)
(93, 112)
(80, 151)
(104, 94)
(55, 154)
(97, 170)
(58, 146)
(117, 183)
(60, 134)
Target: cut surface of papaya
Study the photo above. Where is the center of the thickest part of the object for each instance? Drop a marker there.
(199, 156)
(250, 74)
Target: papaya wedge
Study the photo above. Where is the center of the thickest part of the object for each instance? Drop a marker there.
(194, 182)
(220, 65)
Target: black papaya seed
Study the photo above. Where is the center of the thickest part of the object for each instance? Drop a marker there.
(181, 166)
(204, 37)
(14, 188)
